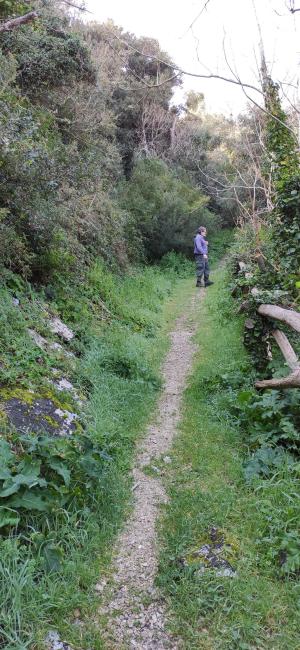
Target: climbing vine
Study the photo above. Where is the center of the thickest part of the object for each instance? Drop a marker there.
(284, 156)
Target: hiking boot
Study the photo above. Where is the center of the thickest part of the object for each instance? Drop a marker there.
(208, 283)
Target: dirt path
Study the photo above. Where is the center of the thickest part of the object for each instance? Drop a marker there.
(136, 613)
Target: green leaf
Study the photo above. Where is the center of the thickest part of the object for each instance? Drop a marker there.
(29, 467)
(244, 396)
(4, 473)
(61, 469)
(6, 454)
(8, 517)
(29, 501)
(28, 475)
(9, 487)
(53, 556)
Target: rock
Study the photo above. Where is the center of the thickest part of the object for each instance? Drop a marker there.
(62, 330)
(154, 469)
(100, 586)
(16, 302)
(43, 344)
(167, 460)
(30, 413)
(57, 347)
(54, 642)
(38, 339)
(65, 384)
(227, 572)
(68, 419)
(255, 291)
(217, 553)
(249, 324)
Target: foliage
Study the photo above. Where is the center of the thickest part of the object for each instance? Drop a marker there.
(176, 264)
(168, 210)
(282, 145)
(48, 56)
(12, 7)
(271, 418)
(73, 104)
(43, 474)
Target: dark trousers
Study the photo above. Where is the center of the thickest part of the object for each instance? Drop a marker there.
(202, 268)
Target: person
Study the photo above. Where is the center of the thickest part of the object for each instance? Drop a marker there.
(201, 257)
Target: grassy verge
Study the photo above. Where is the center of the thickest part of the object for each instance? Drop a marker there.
(258, 606)
(51, 562)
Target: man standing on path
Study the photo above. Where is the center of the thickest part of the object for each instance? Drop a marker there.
(201, 257)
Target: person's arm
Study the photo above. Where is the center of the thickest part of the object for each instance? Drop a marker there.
(205, 255)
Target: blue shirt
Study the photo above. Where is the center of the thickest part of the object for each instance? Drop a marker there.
(200, 245)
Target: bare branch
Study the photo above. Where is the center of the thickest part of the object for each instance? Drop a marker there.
(71, 4)
(292, 381)
(288, 316)
(286, 349)
(17, 22)
(185, 72)
(197, 17)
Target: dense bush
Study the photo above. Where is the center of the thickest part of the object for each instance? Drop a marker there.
(166, 209)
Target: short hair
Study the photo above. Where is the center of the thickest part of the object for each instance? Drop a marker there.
(201, 229)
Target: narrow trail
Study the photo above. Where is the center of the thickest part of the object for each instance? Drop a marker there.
(136, 613)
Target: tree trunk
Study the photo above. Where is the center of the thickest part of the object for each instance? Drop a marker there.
(17, 22)
(292, 380)
(288, 316)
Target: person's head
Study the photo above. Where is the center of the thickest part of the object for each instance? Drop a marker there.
(202, 231)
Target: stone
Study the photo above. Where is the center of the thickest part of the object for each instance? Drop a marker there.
(39, 415)
(64, 384)
(249, 324)
(100, 586)
(54, 642)
(62, 330)
(217, 554)
(39, 340)
(57, 347)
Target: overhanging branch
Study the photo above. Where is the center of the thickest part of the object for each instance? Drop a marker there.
(13, 23)
(287, 316)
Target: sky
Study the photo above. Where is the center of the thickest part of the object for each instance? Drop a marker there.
(228, 26)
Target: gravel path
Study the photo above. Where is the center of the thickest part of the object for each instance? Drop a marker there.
(136, 613)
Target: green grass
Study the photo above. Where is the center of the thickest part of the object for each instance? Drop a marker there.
(259, 607)
(119, 372)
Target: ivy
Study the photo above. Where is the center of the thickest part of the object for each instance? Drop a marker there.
(282, 147)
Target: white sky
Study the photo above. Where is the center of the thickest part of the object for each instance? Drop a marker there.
(192, 49)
